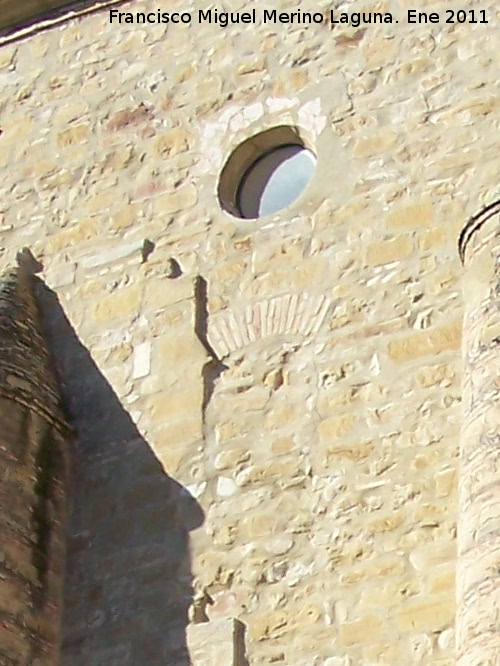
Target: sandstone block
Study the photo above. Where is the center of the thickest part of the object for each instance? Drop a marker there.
(435, 375)
(73, 235)
(380, 567)
(160, 291)
(130, 116)
(432, 239)
(216, 643)
(379, 51)
(336, 426)
(281, 417)
(445, 482)
(104, 201)
(71, 112)
(142, 360)
(385, 252)
(183, 348)
(172, 143)
(431, 614)
(183, 404)
(230, 270)
(121, 303)
(258, 525)
(431, 342)
(372, 145)
(184, 197)
(169, 442)
(442, 582)
(73, 135)
(356, 450)
(411, 216)
(282, 445)
(364, 630)
(230, 458)
(268, 625)
(287, 84)
(227, 430)
(427, 557)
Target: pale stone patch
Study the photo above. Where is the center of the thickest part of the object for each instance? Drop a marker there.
(142, 360)
(312, 117)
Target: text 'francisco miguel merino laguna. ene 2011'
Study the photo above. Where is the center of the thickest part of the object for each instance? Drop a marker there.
(271, 16)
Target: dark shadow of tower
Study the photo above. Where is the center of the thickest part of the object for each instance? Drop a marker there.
(128, 585)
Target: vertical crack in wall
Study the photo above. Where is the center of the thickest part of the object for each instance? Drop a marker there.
(214, 367)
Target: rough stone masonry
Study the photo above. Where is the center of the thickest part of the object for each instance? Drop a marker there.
(321, 445)
(478, 588)
(34, 451)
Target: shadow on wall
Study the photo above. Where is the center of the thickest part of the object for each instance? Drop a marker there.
(128, 583)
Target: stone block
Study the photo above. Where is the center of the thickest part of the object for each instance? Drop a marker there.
(73, 235)
(271, 624)
(109, 255)
(435, 375)
(161, 292)
(373, 145)
(121, 303)
(431, 342)
(442, 582)
(216, 643)
(124, 217)
(354, 450)
(384, 654)
(180, 347)
(184, 197)
(142, 360)
(177, 406)
(172, 143)
(410, 216)
(388, 251)
(101, 202)
(378, 52)
(446, 482)
(231, 457)
(73, 135)
(363, 630)
(336, 426)
(432, 239)
(428, 614)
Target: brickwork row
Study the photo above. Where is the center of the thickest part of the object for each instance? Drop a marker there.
(291, 314)
(34, 441)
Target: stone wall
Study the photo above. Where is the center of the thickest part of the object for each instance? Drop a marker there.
(478, 588)
(323, 454)
(34, 453)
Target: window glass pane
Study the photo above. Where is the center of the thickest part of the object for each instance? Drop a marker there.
(274, 181)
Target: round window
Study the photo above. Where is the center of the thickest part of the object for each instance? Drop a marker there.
(275, 180)
(266, 173)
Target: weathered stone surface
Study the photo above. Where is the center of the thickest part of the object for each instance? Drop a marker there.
(216, 642)
(34, 451)
(385, 252)
(478, 539)
(321, 444)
